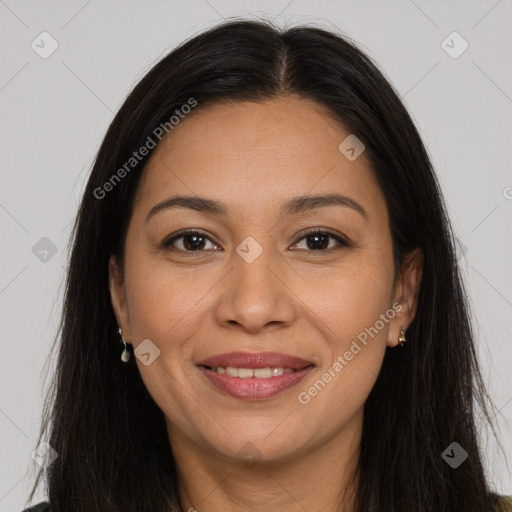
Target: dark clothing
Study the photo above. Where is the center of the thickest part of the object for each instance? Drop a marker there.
(40, 507)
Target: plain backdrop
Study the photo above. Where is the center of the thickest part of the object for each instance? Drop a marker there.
(55, 112)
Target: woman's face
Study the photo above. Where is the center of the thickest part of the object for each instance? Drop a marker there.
(253, 281)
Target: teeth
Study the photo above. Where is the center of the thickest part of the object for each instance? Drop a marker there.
(263, 373)
(244, 373)
(259, 373)
(232, 372)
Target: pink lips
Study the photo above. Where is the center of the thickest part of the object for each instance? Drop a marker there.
(253, 388)
(255, 360)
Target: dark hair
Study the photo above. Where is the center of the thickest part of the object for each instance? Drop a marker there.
(110, 436)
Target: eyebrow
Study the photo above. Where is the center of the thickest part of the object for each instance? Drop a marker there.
(293, 206)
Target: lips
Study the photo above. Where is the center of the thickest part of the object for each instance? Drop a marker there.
(254, 376)
(255, 360)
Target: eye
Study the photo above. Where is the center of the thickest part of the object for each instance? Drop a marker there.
(318, 240)
(189, 241)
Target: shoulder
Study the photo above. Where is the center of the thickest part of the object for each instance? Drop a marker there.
(506, 503)
(40, 507)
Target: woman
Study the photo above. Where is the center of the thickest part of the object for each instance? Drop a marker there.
(263, 304)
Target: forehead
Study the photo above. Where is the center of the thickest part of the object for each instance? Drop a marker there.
(256, 153)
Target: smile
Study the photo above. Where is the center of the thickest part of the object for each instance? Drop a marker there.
(254, 375)
(258, 373)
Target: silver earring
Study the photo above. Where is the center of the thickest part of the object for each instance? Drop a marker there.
(125, 356)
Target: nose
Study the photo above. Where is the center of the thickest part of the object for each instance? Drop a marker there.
(256, 296)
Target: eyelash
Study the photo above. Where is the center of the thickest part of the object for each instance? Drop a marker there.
(343, 242)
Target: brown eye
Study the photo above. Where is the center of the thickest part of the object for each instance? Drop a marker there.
(321, 241)
(189, 241)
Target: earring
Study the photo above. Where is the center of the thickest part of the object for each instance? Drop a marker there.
(125, 356)
(401, 338)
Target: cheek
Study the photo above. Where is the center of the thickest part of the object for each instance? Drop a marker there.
(353, 310)
(163, 299)
(363, 298)
(350, 298)
(166, 306)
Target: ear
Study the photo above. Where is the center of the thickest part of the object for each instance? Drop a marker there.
(407, 287)
(118, 297)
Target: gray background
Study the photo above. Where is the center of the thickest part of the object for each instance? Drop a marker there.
(55, 111)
